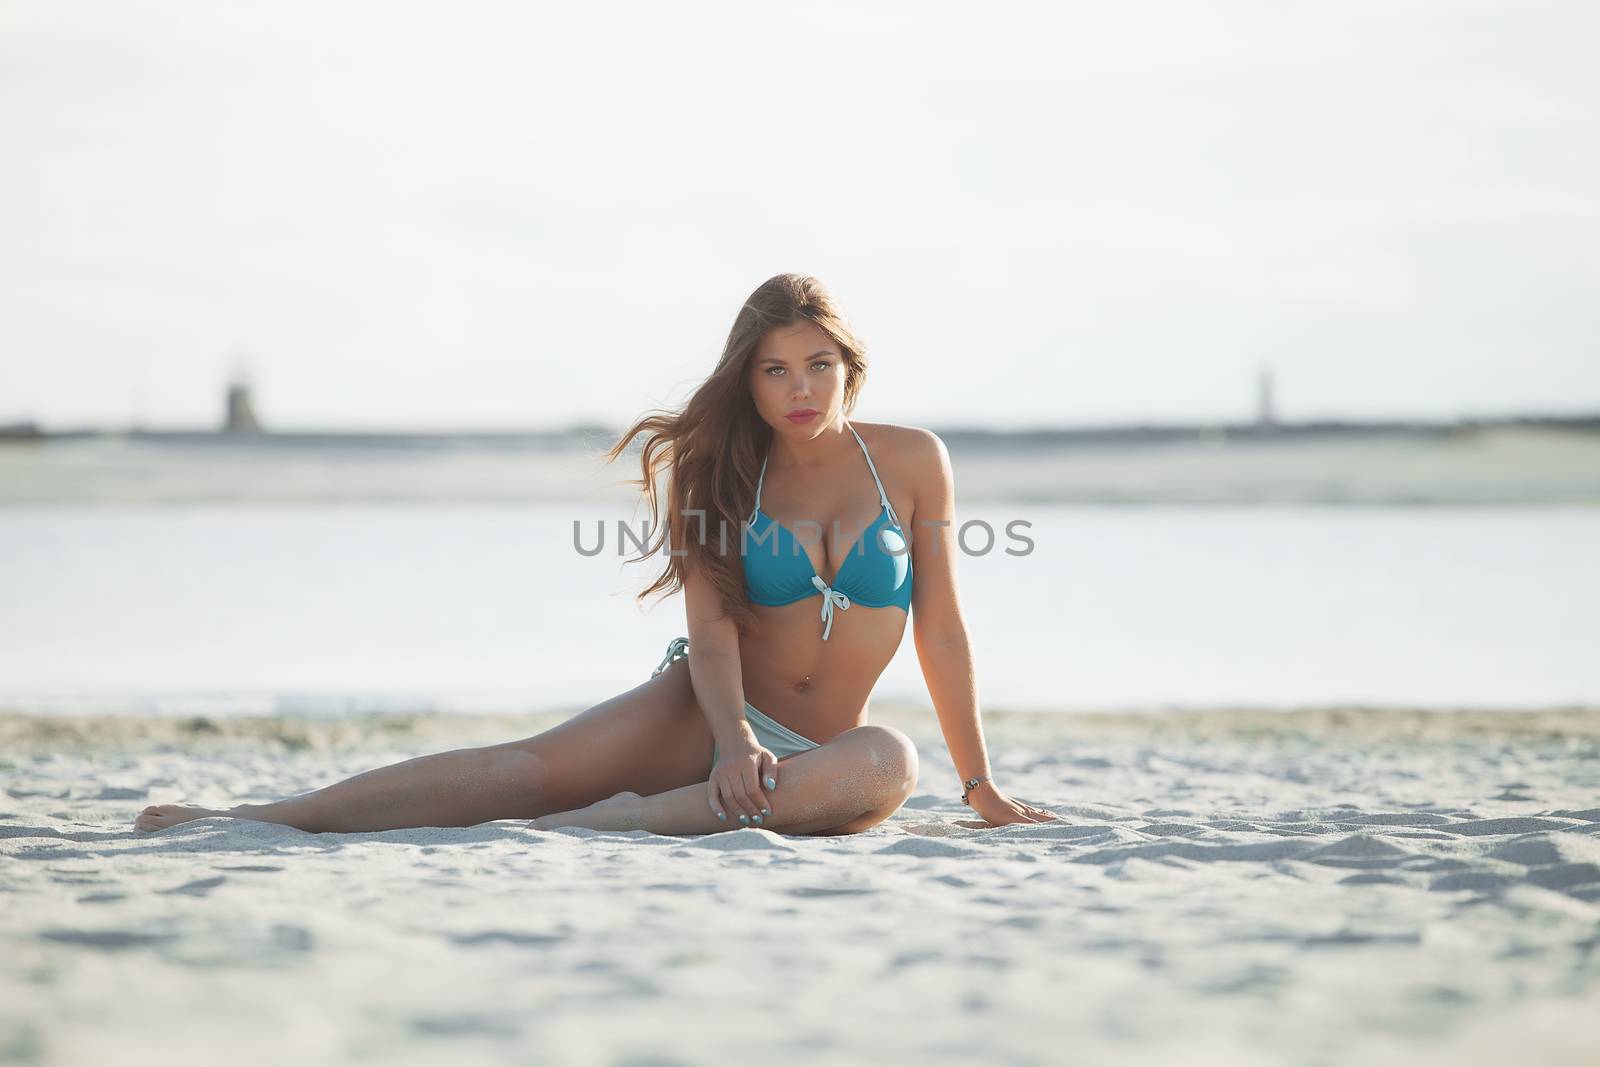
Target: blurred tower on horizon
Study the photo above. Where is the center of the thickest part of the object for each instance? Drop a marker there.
(241, 416)
(1265, 415)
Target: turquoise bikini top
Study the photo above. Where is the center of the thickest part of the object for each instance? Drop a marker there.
(876, 572)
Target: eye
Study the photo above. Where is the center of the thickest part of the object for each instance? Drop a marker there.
(824, 364)
(771, 370)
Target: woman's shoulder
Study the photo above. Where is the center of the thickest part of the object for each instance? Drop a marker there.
(912, 450)
(899, 438)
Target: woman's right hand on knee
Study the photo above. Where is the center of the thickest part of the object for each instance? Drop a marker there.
(736, 785)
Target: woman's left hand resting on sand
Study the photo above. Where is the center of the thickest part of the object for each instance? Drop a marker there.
(998, 809)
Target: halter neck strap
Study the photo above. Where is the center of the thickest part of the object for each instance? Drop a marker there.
(883, 497)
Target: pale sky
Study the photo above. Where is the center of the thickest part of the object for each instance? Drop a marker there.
(514, 215)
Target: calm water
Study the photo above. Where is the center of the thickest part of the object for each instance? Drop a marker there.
(333, 608)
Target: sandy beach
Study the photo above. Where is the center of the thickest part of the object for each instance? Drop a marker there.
(1317, 887)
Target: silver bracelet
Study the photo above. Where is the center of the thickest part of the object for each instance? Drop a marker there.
(971, 784)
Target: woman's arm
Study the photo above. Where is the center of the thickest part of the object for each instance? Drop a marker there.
(716, 674)
(940, 632)
(714, 667)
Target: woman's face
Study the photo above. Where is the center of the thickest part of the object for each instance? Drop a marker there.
(798, 368)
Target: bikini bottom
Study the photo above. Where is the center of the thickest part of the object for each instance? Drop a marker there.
(772, 734)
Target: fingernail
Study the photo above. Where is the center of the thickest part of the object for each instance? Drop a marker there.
(721, 816)
(757, 819)
(766, 811)
(772, 783)
(743, 817)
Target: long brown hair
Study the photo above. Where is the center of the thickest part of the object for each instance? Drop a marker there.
(711, 449)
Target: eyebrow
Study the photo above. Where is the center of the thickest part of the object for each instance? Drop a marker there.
(814, 355)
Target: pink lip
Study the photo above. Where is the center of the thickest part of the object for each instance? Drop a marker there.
(805, 415)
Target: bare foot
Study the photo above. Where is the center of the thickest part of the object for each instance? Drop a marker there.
(161, 816)
(601, 815)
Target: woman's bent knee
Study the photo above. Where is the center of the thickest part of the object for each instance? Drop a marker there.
(869, 773)
(891, 759)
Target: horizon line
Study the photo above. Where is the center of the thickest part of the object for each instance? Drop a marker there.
(1577, 419)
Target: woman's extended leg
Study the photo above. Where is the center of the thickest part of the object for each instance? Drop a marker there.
(456, 788)
(854, 781)
(652, 737)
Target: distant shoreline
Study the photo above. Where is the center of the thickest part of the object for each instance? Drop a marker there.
(1530, 460)
(588, 435)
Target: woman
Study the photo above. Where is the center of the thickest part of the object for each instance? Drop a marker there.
(758, 716)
